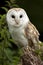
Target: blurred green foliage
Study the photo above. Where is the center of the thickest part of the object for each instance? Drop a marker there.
(9, 52)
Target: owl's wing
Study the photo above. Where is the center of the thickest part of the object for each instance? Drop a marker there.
(32, 33)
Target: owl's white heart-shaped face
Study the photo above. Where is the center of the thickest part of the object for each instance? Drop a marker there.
(17, 17)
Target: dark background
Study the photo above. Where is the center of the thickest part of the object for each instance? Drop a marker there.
(34, 9)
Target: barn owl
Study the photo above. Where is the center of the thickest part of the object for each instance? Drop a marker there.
(23, 32)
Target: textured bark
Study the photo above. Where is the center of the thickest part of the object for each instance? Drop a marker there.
(31, 58)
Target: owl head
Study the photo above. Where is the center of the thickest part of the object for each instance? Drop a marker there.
(17, 17)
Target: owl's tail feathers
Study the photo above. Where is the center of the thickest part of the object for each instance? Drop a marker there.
(38, 45)
(35, 44)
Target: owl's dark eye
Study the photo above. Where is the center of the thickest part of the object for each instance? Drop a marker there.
(21, 16)
(13, 16)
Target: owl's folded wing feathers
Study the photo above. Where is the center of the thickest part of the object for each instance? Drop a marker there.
(32, 33)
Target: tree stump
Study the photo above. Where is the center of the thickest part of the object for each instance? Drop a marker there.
(29, 57)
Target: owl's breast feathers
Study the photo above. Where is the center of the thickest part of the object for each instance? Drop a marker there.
(32, 33)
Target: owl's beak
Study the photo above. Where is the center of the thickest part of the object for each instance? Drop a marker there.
(17, 21)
